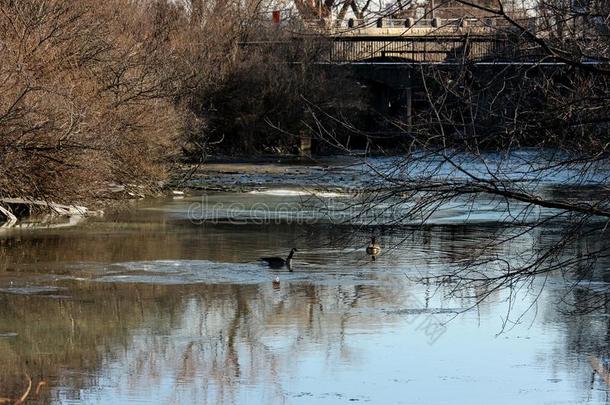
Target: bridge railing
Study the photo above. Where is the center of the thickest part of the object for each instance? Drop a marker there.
(426, 49)
(418, 22)
(344, 27)
(401, 49)
(400, 46)
(404, 40)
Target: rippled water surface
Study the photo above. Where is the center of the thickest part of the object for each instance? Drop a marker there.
(167, 303)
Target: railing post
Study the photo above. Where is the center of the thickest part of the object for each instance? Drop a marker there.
(425, 56)
(409, 96)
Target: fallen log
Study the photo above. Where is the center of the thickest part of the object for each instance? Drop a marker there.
(25, 207)
(14, 209)
(20, 400)
(24, 397)
(7, 218)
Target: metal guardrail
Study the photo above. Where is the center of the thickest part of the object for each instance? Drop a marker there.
(424, 22)
(419, 23)
(425, 40)
(402, 49)
(437, 49)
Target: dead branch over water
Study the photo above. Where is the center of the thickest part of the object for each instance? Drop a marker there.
(531, 137)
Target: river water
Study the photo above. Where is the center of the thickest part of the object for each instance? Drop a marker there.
(165, 302)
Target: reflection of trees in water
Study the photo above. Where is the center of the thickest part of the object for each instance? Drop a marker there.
(237, 325)
(216, 337)
(586, 260)
(579, 301)
(586, 337)
(211, 338)
(53, 333)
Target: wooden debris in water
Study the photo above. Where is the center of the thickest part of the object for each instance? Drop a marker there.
(24, 397)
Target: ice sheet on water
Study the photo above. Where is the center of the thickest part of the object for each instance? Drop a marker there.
(285, 205)
(418, 311)
(209, 272)
(596, 286)
(280, 192)
(30, 290)
(186, 272)
(524, 165)
(285, 192)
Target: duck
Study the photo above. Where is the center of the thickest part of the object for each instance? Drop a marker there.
(373, 248)
(276, 281)
(278, 262)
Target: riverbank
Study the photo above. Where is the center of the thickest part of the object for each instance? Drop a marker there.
(324, 175)
(35, 212)
(338, 175)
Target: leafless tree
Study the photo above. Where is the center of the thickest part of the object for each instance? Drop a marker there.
(95, 94)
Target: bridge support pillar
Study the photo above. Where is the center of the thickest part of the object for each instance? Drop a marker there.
(409, 107)
(304, 145)
(407, 99)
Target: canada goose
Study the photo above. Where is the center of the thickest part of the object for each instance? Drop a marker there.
(276, 281)
(278, 262)
(373, 248)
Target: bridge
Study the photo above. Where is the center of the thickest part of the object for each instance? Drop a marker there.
(386, 49)
(413, 32)
(421, 32)
(455, 41)
(430, 41)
